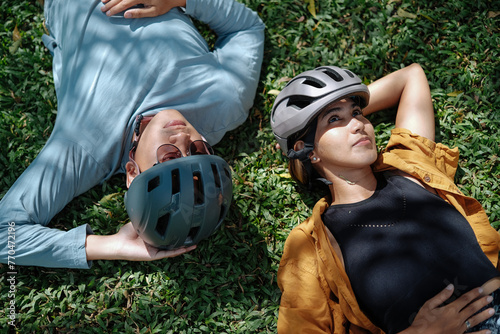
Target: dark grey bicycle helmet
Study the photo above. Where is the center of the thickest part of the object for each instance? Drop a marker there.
(180, 202)
(305, 96)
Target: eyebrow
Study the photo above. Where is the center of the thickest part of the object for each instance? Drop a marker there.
(337, 109)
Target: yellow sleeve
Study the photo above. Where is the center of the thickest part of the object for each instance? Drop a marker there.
(304, 305)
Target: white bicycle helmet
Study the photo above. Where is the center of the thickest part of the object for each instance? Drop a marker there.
(180, 202)
(305, 96)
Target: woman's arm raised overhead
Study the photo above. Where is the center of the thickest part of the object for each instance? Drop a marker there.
(408, 89)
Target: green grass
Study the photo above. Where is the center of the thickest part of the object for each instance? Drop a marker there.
(228, 285)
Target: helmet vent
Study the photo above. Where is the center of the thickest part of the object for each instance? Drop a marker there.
(198, 188)
(176, 187)
(193, 232)
(227, 172)
(216, 175)
(162, 224)
(153, 183)
(299, 102)
(222, 213)
(332, 74)
(313, 82)
(349, 73)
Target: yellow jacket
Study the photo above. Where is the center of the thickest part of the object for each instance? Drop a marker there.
(316, 293)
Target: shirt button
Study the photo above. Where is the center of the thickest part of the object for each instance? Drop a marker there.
(427, 178)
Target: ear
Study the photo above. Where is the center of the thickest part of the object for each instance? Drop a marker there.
(314, 159)
(132, 171)
(299, 144)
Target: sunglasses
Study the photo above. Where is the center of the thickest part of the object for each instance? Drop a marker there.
(167, 152)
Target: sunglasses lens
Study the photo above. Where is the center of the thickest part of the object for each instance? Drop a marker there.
(167, 152)
(200, 147)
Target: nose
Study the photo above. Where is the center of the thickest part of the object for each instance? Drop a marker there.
(181, 140)
(356, 125)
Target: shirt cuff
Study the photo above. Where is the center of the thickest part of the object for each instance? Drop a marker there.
(79, 251)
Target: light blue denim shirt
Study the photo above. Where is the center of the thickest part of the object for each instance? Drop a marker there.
(106, 71)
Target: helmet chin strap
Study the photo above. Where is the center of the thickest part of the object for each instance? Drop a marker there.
(303, 155)
(325, 181)
(308, 139)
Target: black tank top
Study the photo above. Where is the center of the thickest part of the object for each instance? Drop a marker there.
(401, 247)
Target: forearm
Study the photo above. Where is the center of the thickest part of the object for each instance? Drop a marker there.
(126, 245)
(225, 17)
(100, 247)
(387, 91)
(36, 245)
(240, 42)
(407, 89)
(59, 173)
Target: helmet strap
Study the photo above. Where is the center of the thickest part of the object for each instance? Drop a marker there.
(308, 139)
(303, 154)
(325, 181)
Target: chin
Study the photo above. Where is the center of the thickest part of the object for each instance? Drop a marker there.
(368, 161)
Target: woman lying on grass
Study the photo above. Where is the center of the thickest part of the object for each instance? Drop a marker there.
(395, 247)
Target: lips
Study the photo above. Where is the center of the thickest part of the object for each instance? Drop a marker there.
(363, 141)
(174, 123)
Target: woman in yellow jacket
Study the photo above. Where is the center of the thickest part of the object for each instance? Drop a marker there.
(395, 247)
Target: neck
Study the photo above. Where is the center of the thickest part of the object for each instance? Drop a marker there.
(352, 187)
